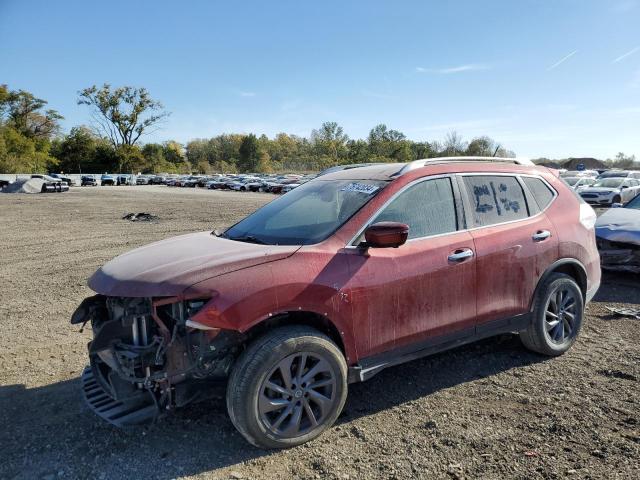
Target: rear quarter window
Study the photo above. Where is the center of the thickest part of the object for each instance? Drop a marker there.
(542, 194)
(495, 199)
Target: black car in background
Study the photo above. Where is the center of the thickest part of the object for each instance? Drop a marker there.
(64, 178)
(88, 181)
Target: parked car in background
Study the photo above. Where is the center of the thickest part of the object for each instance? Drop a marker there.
(579, 182)
(107, 179)
(242, 184)
(609, 190)
(619, 174)
(191, 181)
(51, 184)
(88, 181)
(205, 180)
(289, 186)
(125, 179)
(579, 173)
(143, 179)
(618, 237)
(347, 274)
(157, 179)
(68, 180)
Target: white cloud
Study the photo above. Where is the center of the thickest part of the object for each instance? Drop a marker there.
(247, 94)
(562, 60)
(627, 54)
(470, 67)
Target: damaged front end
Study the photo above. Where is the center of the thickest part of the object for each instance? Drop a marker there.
(147, 356)
(618, 238)
(619, 256)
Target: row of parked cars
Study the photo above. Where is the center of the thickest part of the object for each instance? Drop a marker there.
(238, 182)
(272, 183)
(606, 188)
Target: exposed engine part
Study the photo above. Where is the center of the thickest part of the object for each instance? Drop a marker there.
(145, 354)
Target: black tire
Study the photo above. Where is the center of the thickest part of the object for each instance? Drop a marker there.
(617, 199)
(261, 364)
(554, 333)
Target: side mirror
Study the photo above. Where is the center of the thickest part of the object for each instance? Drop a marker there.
(386, 234)
(624, 186)
(617, 205)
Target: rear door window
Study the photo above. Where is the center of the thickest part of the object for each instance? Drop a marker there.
(495, 199)
(428, 208)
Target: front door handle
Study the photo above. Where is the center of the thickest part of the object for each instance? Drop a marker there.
(460, 255)
(541, 235)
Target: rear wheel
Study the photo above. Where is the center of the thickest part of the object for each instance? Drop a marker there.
(557, 316)
(287, 387)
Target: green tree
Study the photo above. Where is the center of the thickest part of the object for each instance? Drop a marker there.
(249, 154)
(24, 112)
(77, 151)
(330, 141)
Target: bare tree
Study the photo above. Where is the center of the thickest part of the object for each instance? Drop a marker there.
(122, 114)
(453, 144)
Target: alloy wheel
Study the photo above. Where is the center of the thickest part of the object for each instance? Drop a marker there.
(560, 315)
(297, 395)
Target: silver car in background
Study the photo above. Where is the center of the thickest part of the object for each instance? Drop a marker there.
(607, 191)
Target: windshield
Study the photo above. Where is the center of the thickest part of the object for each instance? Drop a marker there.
(307, 215)
(635, 203)
(609, 182)
(571, 180)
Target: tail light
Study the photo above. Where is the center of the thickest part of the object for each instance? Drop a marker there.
(587, 216)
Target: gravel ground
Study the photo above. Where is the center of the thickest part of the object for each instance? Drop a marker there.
(488, 410)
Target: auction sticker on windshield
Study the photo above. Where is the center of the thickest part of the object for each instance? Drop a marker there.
(360, 187)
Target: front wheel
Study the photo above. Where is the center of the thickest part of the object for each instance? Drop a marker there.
(557, 316)
(617, 199)
(287, 387)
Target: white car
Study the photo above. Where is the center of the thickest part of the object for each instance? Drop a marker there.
(143, 180)
(579, 173)
(608, 191)
(577, 183)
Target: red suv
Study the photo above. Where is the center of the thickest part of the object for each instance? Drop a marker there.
(350, 273)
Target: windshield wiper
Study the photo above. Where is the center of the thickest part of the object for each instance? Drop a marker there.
(248, 239)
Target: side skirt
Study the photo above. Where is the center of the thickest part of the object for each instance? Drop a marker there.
(370, 366)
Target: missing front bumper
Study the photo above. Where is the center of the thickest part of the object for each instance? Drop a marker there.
(138, 409)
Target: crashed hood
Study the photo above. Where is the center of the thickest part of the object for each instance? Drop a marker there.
(619, 225)
(167, 267)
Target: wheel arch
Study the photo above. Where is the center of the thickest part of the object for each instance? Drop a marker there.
(302, 317)
(569, 266)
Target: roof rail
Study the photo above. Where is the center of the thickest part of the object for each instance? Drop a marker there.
(426, 161)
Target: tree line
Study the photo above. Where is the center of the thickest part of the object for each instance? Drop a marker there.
(31, 141)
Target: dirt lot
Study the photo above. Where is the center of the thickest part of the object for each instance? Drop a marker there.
(489, 410)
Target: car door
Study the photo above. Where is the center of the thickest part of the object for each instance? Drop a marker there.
(514, 240)
(629, 189)
(424, 288)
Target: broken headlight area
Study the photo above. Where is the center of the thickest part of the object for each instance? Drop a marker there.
(619, 256)
(147, 356)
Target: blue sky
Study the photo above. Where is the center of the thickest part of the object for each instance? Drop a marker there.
(545, 78)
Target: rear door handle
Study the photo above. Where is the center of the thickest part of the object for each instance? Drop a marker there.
(460, 255)
(541, 235)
